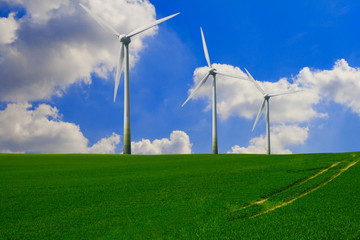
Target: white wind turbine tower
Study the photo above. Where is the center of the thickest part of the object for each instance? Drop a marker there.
(212, 71)
(124, 57)
(267, 97)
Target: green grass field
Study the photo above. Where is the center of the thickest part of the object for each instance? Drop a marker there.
(180, 196)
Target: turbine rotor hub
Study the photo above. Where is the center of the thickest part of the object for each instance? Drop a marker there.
(267, 97)
(212, 71)
(124, 39)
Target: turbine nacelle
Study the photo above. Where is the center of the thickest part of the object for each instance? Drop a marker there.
(267, 96)
(212, 71)
(124, 39)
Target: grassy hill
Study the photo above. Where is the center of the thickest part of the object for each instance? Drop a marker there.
(308, 196)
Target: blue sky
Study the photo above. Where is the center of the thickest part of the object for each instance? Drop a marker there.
(51, 50)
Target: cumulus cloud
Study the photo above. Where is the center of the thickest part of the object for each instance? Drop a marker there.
(41, 130)
(240, 98)
(106, 145)
(8, 27)
(282, 136)
(179, 143)
(340, 84)
(38, 10)
(58, 44)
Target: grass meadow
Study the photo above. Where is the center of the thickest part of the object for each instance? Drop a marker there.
(225, 196)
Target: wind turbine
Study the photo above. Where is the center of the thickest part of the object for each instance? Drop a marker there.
(212, 71)
(124, 57)
(266, 97)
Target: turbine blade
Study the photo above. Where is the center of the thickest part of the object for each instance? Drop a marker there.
(232, 76)
(197, 88)
(101, 22)
(259, 113)
(119, 69)
(255, 83)
(205, 49)
(150, 25)
(284, 93)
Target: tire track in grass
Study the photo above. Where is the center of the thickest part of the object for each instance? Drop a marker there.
(294, 191)
(306, 193)
(287, 188)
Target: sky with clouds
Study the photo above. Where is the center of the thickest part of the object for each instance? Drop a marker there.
(57, 69)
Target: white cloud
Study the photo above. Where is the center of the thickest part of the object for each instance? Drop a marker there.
(58, 44)
(8, 27)
(282, 136)
(41, 130)
(106, 145)
(340, 84)
(38, 10)
(179, 143)
(240, 97)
